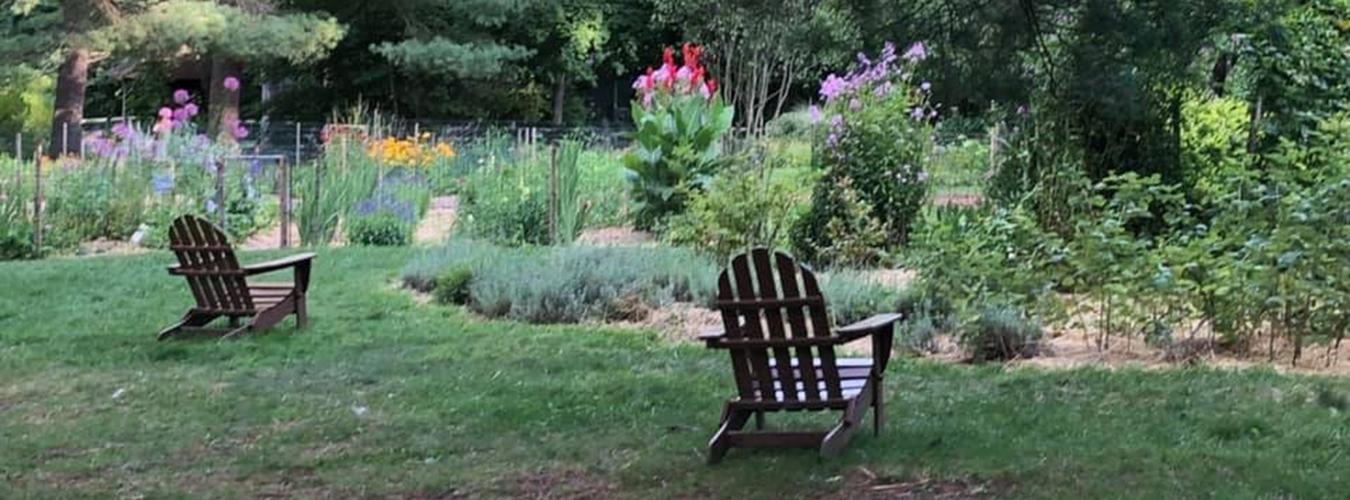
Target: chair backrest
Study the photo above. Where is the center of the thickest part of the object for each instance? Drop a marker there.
(206, 259)
(777, 329)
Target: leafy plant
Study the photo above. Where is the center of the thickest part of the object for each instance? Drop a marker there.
(876, 143)
(680, 120)
(1000, 334)
(739, 210)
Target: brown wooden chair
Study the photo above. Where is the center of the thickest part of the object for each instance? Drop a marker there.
(222, 289)
(782, 354)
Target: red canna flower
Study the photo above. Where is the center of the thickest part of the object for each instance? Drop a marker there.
(649, 84)
(712, 88)
(668, 56)
(692, 54)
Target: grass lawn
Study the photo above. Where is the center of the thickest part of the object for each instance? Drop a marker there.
(385, 398)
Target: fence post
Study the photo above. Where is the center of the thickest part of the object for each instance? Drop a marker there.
(553, 195)
(65, 139)
(220, 191)
(18, 157)
(37, 200)
(285, 203)
(995, 146)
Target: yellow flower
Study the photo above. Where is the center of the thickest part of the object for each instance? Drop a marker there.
(409, 152)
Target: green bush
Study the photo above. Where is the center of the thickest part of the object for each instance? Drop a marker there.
(379, 229)
(1214, 137)
(740, 210)
(1000, 334)
(507, 204)
(795, 124)
(877, 141)
(452, 286)
(574, 284)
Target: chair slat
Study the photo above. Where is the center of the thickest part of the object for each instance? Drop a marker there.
(178, 233)
(787, 277)
(740, 363)
(820, 326)
(773, 317)
(750, 324)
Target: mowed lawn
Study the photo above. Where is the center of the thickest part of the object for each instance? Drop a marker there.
(385, 398)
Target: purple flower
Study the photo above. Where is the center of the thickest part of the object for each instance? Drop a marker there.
(1021, 110)
(191, 109)
(916, 113)
(230, 83)
(883, 90)
(240, 132)
(180, 115)
(916, 52)
(837, 122)
(854, 104)
(161, 183)
(122, 130)
(888, 54)
(181, 96)
(815, 113)
(832, 87)
(255, 168)
(926, 87)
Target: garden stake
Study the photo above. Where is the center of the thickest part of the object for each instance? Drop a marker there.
(37, 199)
(285, 202)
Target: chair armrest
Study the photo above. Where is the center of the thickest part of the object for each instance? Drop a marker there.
(276, 265)
(868, 326)
(711, 337)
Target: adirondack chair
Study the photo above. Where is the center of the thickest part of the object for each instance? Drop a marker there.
(222, 289)
(777, 330)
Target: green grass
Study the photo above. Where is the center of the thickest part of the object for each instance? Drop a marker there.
(458, 406)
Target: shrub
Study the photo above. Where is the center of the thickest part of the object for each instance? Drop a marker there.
(1214, 137)
(452, 286)
(382, 228)
(795, 124)
(876, 144)
(1000, 334)
(574, 284)
(739, 210)
(680, 120)
(507, 204)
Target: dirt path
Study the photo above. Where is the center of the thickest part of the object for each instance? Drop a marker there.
(438, 222)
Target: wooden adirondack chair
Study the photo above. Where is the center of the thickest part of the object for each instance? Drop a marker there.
(782, 354)
(222, 289)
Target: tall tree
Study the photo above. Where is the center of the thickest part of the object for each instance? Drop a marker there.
(78, 17)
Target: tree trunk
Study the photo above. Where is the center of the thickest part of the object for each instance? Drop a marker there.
(68, 114)
(559, 100)
(224, 103)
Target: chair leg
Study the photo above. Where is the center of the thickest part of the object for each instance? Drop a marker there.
(732, 420)
(878, 408)
(189, 319)
(301, 313)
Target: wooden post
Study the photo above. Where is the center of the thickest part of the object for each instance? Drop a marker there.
(37, 200)
(297, 143)
(65, 139)
(18, 158)
(553, 195)
(285, 202)
(220, 191)
(995, 146)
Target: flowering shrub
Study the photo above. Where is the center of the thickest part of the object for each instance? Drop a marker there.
(680, 120)
(410, 152)
(876, 141)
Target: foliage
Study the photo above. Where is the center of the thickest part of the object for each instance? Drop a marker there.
(164, 29)
(960, 166)
(1214, 137)
(452, 286)
(24, 104)
(876, 144)
(16, 230)
(969, 260)
(1000, 334)
(680, 120)
(569, 284)
(383, 228)
(740, 210)
(507, 203)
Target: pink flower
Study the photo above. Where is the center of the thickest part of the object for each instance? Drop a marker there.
(815, 114)
(181, 96)
(916, 52)
(180, 115)
(832, 87)
(240, 132)
(191, 109)
(231, 83)
(165, 113)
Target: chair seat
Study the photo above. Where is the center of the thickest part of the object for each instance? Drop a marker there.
(268, 295)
